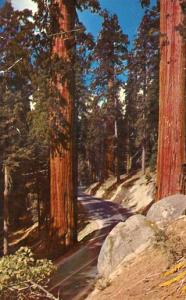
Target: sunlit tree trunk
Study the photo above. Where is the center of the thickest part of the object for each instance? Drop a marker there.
(112, 155)
(144, 150)
(171, 145)
(143, 158)
(117, 156)
(62, 161)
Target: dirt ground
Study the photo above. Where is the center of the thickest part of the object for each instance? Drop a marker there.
(141, 279)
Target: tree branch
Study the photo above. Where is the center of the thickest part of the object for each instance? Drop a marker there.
(48, 294)
(12, 66)
(65, 32)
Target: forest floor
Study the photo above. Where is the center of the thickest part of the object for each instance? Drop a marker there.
(28, 234)
(20, 235)
(141, 280)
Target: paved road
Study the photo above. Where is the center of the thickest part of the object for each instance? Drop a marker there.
(77, 271)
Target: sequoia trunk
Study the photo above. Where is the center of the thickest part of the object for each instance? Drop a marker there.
(62, 161)
(171, 145)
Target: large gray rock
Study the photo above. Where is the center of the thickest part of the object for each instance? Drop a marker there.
(125, 240)
(167, 209)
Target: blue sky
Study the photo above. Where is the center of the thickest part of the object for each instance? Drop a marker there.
(129, 13)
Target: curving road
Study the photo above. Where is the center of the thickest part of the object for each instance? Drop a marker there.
(76, 272)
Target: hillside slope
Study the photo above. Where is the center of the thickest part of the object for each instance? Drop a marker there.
(136, 192)
(144, 277)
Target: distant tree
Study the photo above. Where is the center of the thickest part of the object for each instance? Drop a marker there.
(110, 57)
(142, 90)
(15, 89)
(84, 46)
(132, 151)
(39, 136)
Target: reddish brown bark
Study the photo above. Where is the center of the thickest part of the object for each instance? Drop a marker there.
(171, 145)
(62, 161)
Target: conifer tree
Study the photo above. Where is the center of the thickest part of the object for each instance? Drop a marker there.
(15, 89)
(132, 151)
(63, 163)
(110, 57)
(142, 90)
(84, 49)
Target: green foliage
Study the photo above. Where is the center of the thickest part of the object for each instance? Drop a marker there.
(93, 5)
(104, 107)
(110, 56)
(21, 273)
(16, 32)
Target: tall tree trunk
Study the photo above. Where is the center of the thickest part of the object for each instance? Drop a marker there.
(143, 158)
(171, 144)
(5, 209)
(112, 149)
(62, 162)
(144, 103)
(117, 154)
(103, 166)
(39, 211)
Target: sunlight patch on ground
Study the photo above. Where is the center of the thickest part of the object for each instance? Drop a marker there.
(20, 235)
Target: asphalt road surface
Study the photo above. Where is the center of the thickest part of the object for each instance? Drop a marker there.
(76, 272)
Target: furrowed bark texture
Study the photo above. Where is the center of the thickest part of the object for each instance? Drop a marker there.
(62, 161)
(171, 144)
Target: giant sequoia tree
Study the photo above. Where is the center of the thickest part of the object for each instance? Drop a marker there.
(171, 147)
(62, 117)
(62, 163)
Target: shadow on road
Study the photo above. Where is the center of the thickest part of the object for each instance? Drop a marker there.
(77, 271)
